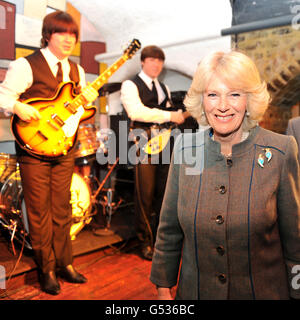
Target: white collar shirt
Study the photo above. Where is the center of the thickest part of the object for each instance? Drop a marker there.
(19, 78)
(148, 82)
(52, 61)
(134, 107)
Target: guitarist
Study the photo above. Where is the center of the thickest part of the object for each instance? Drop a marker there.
(147, 101)
(46, 184)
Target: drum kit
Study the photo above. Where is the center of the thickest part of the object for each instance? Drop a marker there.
(12, 206)
(88, 194)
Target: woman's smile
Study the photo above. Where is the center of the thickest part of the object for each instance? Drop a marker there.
(224, 107)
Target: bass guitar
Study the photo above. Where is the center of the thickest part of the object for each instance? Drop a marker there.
(54, 135)
(160, 138)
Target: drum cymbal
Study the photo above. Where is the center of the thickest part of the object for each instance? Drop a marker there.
(109, 88)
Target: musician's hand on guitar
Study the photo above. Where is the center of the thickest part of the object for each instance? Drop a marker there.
(26, 112)
(177, 117)
(90, 94)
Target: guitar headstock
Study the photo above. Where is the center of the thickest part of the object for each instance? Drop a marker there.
(132, 48)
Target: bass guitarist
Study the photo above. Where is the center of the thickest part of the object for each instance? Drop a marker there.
(46, 183)
(147, 102)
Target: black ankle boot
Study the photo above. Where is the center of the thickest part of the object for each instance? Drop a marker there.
(69, 274)
(49, 283)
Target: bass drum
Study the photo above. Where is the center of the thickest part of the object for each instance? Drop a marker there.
(81, 204)
(13, 215)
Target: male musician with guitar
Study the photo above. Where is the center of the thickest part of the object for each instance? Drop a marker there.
(46, 180)
(147, 102)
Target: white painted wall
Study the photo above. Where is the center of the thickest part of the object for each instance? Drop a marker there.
(186, 30)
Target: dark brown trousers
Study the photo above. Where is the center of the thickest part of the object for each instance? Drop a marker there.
(150, 183)
(46, 189)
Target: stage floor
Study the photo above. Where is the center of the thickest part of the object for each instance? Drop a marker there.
(87, 240)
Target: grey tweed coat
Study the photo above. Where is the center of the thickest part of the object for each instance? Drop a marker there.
(230, 228)
(293, 129)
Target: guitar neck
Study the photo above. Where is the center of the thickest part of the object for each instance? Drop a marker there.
(100, 81)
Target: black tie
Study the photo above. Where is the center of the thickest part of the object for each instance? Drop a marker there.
(59, 75)
(154, 91)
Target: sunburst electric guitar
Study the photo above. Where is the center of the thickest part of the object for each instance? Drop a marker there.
(54, 135)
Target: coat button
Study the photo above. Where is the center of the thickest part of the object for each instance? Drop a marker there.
(222, 189)
(229, 162)
(219, 219)
(222, 277)
(220, 250)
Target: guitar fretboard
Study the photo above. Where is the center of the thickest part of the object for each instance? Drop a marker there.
(100, 81)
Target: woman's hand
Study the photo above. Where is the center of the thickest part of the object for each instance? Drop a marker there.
(26, 112)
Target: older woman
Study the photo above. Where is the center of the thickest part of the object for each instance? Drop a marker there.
(231, 211)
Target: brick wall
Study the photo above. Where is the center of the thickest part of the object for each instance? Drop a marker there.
(276, 52)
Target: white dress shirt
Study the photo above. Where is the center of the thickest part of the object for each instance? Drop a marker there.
(19, 78)
(134, 107)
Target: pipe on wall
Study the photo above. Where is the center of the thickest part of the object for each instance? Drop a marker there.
(259, 25)
(246, 27)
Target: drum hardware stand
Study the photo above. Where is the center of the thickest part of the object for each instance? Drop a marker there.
(12, 229)
(107, 212)
(16, 228)
(14, 225)
(108, 206)
(94, 196)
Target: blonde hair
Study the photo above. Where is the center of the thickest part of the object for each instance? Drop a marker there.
(239, 72)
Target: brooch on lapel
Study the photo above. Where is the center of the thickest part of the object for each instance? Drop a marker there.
(268, 154)
(261, 157)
